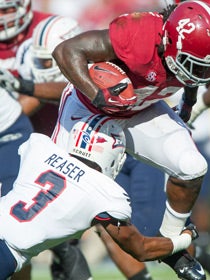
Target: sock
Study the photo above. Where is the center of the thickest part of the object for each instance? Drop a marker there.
(142, 275)
(173, 222)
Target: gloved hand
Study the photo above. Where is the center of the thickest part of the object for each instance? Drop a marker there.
(199, 107)
(110, 101)
(11, 83)
(183, 110)
(193, 229)
(6, 80)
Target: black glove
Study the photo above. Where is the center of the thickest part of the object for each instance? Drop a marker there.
(109, 100)
(24, 86)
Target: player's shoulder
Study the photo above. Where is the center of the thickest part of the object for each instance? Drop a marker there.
(35, 140)
(37, 18)
(137, 19)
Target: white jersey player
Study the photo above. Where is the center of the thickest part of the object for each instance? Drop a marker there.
(56, 197)
(34, 58)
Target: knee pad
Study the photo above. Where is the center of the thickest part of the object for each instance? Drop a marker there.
(192, 165)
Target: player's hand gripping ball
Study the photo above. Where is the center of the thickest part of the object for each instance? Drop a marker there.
(116, 90)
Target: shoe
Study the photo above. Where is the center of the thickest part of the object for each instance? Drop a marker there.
(185, 266)
(203, 257)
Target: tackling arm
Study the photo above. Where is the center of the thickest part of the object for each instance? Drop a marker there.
(147, 248)
(141, 247)
(203, 103)
(189, 98)
(73, 55)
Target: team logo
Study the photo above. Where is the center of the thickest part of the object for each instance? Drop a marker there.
(151, 76)
(98, 68)
(100, 140)
(117, 141)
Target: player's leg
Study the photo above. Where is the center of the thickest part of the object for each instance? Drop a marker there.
(201, 210)
(69, 263)
(24, 273)
(158, 136)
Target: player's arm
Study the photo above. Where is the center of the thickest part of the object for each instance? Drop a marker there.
(203, 103)
(47, 90)
(39, 93)
(188, 99)
(206, 97)
(73, 55)
(141, 247)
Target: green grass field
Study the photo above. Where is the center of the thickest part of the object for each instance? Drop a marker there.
(107, 271)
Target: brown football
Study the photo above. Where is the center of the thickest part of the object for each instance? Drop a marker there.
(107, 74)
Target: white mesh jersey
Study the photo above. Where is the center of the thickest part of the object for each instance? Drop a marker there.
(55, 197)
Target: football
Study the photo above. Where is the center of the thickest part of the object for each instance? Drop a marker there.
(107, 74)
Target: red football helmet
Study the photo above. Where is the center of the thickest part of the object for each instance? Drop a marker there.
(15, 16)
(186, 38)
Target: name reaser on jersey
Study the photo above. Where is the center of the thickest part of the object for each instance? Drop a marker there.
(66, 167)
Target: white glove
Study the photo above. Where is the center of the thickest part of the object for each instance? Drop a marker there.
(7, 80)
(11, 83)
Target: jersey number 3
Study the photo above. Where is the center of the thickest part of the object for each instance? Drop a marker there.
(23, 212)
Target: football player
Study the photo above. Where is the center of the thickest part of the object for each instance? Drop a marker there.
(163, 78)
(154, 132)
(58, 195)
(17, 22)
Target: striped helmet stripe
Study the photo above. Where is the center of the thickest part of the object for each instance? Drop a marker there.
(45, 30)
(93, 125)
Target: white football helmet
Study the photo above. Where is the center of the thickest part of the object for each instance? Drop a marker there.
(15, 16)
(46, 36)
(100, 139)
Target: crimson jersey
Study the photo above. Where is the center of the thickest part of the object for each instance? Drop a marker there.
(135, 38)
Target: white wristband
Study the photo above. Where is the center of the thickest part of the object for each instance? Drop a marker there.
(181, 242)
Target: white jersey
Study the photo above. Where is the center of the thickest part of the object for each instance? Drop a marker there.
(55, 198)
(10, 110)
